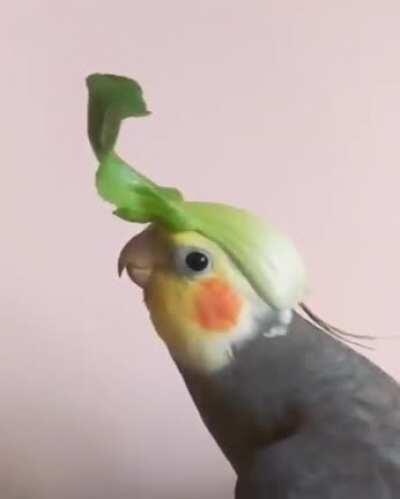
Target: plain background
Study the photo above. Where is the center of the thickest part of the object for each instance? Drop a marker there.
(290, 109)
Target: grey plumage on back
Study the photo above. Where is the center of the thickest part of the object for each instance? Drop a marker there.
(303, 416)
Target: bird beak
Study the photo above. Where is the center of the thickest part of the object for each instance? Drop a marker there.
(137, 257)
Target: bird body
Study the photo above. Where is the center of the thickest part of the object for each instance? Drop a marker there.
(298, 414)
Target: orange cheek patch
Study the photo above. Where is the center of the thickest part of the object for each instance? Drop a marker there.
(217, 305)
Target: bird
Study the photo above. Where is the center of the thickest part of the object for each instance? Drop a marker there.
(296, 411)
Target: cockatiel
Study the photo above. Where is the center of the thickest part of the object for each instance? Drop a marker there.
(298, 414)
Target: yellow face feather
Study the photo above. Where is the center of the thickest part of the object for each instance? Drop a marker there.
(208, 304)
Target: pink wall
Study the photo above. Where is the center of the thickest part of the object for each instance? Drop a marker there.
(291, 109)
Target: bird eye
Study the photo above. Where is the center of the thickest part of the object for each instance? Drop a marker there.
(196, 261)
(192, 261)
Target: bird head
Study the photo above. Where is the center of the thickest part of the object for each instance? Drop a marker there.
(209, 272)
(198, 300)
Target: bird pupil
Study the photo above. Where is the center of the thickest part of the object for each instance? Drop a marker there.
(197, 261)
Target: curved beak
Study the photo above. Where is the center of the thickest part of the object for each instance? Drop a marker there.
(137, 257)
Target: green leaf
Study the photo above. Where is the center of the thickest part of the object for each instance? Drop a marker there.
(111, 99)
(268, 259)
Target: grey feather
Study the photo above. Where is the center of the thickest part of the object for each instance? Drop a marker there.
(303, 416)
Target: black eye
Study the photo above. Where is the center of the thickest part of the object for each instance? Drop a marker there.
(196, 261)
(192, 262)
